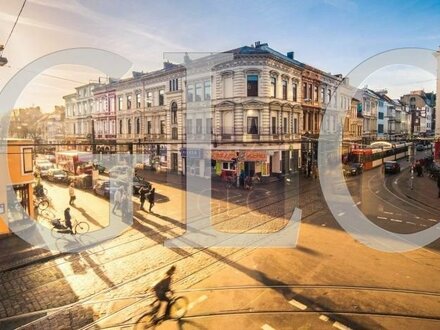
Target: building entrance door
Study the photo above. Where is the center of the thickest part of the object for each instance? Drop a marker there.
(174, 162)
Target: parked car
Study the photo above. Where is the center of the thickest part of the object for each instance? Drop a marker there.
(43, 167)
(353, 169)
(434, 169)
(138, 182)
(57, 175)
(392, 167)
(420, 147)
(119, 170)
(98, 166)
(104, 189)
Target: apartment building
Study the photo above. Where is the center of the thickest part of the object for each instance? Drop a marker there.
(78, 119)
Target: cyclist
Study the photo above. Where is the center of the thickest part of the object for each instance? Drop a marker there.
(163, 291)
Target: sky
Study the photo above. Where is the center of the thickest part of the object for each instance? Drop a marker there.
(332, 35)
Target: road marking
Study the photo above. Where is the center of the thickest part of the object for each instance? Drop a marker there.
(383, 218)
(267, 192)
(411, 223)
(358, 203)
(267, 327)
(377, 191)
(396, 220)
(199, 300)
(341, 326)
(297, 304)
(433, 220)
(388, 212)
(324, 318)
(341, 214)
(417, 217)
(423, 225)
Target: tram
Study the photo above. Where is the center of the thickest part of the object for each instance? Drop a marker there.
(378, 152)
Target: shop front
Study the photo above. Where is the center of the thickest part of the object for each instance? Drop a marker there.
(20, 163)
(192, 161)
(251, 162)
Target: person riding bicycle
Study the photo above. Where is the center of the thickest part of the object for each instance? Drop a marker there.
(68, 219)
(163, 291)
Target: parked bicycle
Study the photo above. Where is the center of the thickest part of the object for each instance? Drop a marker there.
(41, 203)
(176, 309)
(60, 229)
(230, 181)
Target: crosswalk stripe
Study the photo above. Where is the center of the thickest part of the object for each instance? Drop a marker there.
(297, 304)
(267, 327)
(199, 300)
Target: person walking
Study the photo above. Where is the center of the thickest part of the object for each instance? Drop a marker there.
(143, 196)
(124, 205)
(151, 197)
(117, 200)
(68, 219)
(72, 194)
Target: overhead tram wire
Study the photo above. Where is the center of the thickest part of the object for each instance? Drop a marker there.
(49, 75)
(13, 27)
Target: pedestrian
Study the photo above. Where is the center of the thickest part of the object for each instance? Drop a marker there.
(309, 168)
(124, 204)
(68, 219)
(117, 200)
(151, 197)
(438, 184)
(72, 194)
(142, 196)
(241, 178)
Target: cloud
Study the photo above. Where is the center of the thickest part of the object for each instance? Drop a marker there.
(113, 23)
(400, 80)
(39, 24)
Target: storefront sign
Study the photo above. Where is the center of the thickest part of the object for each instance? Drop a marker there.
(223, 155)
(163, 150)
(191, 153)
(254, 156)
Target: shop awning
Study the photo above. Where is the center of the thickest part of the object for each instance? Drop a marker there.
(224, 155)
(255, 156)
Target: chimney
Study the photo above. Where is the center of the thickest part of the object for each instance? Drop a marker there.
(257, 44)
(290, 55)
(168, 65)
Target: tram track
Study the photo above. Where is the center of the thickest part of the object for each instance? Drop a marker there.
(174, 261)
(139, 236)
(353, 288)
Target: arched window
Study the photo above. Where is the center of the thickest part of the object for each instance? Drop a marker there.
(138, 126)
(120, 126)
(129, 126)
(174, 113)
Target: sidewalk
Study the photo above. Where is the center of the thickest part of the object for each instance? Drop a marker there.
(424, 190)
(16, 253)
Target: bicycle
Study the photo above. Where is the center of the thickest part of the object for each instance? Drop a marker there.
(59, 229)
(176, 309)
(230, 181)
(41, 203)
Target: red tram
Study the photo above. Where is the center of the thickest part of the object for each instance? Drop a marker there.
(379, 152)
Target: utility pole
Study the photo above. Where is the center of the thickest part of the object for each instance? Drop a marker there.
(93, 138)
